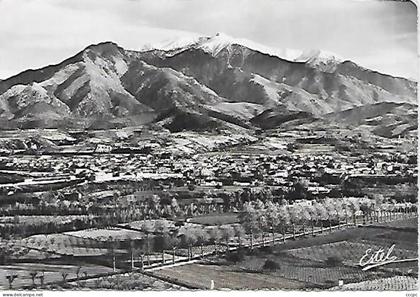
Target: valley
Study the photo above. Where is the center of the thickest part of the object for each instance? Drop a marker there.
(108, 202)
(212, 163)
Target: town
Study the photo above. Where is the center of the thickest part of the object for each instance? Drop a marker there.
(145, 198)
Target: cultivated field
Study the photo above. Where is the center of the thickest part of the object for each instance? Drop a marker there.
(127, 281)
(40, 220)
(395, 283)
(116, 234)
(151, 224)
(304, 263)
(51, 272)
(55, 245)
(347, 251)
(200, 277)
(212, 220)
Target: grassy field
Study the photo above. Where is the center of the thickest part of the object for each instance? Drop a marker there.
(214, 220)
(409, 223)
(225, 277)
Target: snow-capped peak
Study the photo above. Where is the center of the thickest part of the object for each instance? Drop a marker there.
(316, 56)
(174, 44)
(215, 44)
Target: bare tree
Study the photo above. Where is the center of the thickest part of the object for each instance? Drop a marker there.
(33, 275)
(261, 219)
(305, 217)
(249, 220)
(189, 238)
(312, 216)
(339, 208)
(353, 207)
(330, 208)
(148, 228)
(173, 243)
(295, 217)
(41, 279)
(64, 276)
(97, 282)
(273, 218)
(78, 269)
(379, 201)
(239, 233)
(366, 208)
(11, 278)
(227, 233)
(202, 237)
(162, 227)
(321, 213)
(284, 219)
(215, 236)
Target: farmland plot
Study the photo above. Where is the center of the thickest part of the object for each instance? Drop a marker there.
(128, 281)
(406, 223)
(51, 272)
(140, 225)
(116, 234)
(156, 258)
(200, 277)
(395, 283)
(213, 220)
(349, 252)
(40, 220)
(53, 245)
(303, 270)
(402, 239)
(197, 250)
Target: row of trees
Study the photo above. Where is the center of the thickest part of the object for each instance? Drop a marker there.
(258, 217)
(159, 237)
(40, 275)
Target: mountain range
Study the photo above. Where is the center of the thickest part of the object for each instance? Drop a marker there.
(204, 83)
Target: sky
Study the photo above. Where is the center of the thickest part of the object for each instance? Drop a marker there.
(380, 35)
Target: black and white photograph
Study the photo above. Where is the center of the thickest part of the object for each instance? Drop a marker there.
(218, 145)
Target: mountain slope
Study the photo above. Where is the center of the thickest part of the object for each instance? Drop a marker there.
(165, 88)
(198, 83)
(231, 71)
(385, 119)
(103, 83)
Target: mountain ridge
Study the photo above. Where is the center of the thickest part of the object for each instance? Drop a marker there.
(108, 83)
